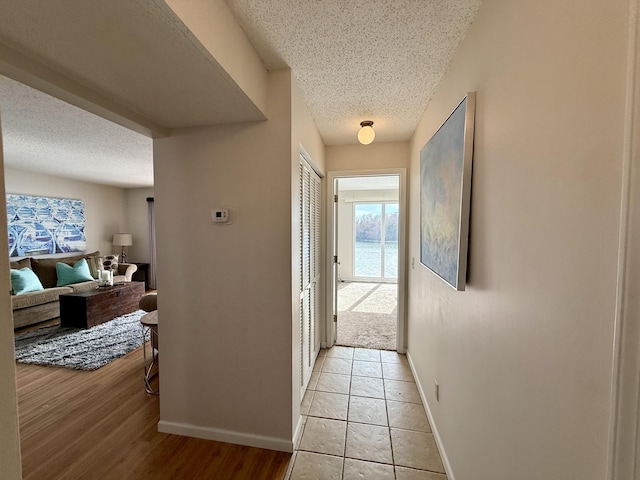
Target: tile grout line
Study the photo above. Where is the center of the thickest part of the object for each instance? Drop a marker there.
(346, 430)
(386, 407)
(386, 399)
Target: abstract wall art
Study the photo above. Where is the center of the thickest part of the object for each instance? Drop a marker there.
(445, 195)
(44, 225)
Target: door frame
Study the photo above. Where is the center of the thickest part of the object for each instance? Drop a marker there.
(401, 326)
(623, 460)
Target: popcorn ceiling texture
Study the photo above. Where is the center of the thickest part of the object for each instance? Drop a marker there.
(378, 60)
(49, 136)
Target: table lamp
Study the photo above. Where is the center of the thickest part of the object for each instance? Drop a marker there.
(123, 240)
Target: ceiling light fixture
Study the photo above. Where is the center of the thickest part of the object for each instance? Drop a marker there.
(366, 134)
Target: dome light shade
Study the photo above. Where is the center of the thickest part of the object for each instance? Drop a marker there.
(366, 134)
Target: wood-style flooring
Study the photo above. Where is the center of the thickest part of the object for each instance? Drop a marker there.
(102, 425)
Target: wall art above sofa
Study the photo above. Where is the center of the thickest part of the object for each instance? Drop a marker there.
(44, 225)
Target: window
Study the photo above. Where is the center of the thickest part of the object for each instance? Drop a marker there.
(376, 240)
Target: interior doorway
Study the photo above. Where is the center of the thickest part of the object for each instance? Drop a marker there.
(368, 219)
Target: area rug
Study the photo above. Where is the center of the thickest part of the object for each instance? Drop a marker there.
(367, 315)
(81, 349)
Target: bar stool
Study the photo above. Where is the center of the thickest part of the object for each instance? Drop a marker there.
(149, 323)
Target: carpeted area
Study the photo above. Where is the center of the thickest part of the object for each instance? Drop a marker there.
(80, 349)
(367, 315)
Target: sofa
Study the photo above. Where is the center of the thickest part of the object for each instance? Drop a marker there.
(33, 307)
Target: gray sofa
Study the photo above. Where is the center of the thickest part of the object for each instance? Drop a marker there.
(34, 307)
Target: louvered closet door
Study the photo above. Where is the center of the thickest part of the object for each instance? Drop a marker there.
(310, 222)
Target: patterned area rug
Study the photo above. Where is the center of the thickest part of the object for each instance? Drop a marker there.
(81, 349)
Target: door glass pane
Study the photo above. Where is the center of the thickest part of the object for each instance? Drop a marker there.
(368, 254)
(391, 240)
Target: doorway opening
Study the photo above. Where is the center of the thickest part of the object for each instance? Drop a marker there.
(367, 237)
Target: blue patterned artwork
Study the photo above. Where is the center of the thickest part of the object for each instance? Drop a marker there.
(445, 185)
(44, 225)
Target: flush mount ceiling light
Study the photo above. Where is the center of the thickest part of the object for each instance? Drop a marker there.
(366, 134)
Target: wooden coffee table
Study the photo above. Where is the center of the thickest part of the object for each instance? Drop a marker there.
(93, 307)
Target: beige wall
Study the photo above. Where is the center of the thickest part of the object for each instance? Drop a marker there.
(137, 223)
(105, 212)
(367, 157)
(524, 356)
(215, 27)
(225, 290)
(10, 461)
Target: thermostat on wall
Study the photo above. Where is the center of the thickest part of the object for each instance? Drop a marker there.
(220, 215)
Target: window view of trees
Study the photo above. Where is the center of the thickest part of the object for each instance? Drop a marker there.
(369, 227)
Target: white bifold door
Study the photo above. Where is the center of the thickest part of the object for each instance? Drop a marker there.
(310, 222)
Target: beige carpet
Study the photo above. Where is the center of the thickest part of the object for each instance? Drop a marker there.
(367, 315)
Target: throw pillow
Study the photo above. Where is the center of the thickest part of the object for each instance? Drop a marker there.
(20, 264)
(77, 273)
(95, 264)
(24, 280)
(110, 262)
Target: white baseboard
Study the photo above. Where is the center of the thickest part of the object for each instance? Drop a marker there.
(227, 436)
(298, 433)
(434, 428)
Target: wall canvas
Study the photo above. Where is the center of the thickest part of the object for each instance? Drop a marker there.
(445, 195)
(44, 225)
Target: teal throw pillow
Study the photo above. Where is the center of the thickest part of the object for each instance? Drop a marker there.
(24, 280)
(68, 274)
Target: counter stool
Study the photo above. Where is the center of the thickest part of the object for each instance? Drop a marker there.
(149, 323)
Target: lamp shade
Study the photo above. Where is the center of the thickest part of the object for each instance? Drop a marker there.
(366, 134)
(122, 239)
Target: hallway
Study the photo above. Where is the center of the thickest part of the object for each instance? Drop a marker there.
(364, 419)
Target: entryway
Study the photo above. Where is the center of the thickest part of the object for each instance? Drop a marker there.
(367, 238)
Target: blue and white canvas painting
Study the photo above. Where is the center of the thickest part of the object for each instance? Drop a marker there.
(44, 225)
(442, 167)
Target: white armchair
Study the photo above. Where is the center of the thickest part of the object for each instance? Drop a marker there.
(125, 272)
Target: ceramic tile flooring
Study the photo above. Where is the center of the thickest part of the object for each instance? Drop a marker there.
(364, 419)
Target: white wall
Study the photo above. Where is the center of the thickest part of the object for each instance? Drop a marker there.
(105, 212)
(137, 223)
(225, 291)
(524, 356)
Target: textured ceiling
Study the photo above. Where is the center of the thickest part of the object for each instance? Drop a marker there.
(377, 60)
(138, 54)
(43, 134)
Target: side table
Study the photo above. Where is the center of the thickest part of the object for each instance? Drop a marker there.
(149, 323)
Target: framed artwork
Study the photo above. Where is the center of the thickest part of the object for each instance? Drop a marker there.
(445, 195)
(44, 225)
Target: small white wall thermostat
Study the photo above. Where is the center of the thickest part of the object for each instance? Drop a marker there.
(220, 215)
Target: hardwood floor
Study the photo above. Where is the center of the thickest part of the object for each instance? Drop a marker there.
(102, 425)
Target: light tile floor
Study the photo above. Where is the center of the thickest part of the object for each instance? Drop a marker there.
(363, 418)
